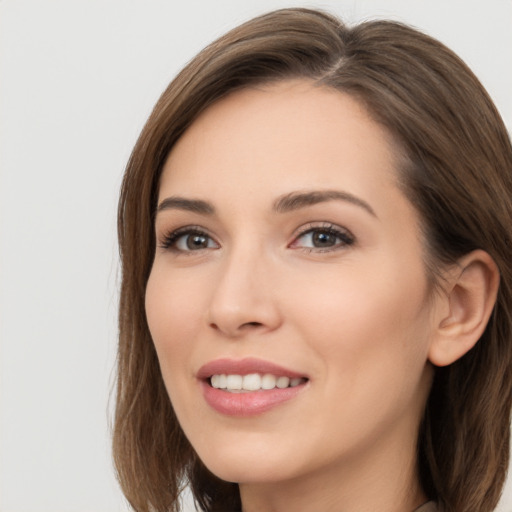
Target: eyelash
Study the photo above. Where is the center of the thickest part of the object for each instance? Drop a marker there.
(346, 238)
(169, 241)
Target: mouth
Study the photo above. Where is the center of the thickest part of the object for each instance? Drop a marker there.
(235, 383)
(249, 386)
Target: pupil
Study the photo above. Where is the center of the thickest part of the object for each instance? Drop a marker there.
(196, 242)
(322, 239)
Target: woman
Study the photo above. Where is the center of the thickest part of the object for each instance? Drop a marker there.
(315, 234)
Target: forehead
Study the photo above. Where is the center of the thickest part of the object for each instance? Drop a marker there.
(292, 134)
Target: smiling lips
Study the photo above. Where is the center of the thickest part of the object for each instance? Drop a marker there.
(253, 382)
(249, 386)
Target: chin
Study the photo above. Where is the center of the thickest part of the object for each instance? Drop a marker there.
(247, 464)
(241, 472)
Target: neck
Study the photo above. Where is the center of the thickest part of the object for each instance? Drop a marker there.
(385, 478)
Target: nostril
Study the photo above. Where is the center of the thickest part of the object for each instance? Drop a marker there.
(246, 324)
(237, 330)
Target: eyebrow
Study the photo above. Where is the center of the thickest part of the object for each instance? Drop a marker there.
(297, 200)
(286, 203)
(188, 205)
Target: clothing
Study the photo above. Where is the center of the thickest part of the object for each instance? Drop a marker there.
(427, 507)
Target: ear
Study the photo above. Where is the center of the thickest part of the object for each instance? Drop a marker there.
(470, 295)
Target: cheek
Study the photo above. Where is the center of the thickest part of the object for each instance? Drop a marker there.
(173, 315)
(362, 318)
(371, 336)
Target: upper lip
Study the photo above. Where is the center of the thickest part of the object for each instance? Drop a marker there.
(244, 367)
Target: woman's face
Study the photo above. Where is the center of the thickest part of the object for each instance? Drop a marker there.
(289, 262)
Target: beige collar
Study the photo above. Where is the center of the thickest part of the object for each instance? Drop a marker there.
(427, 507)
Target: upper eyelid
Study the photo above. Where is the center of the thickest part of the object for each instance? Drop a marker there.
(302, 230)
(319, 225)
(167, 234)
(165, 231)
(344, 234)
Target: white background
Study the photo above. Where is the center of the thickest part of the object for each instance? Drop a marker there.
(77, 80)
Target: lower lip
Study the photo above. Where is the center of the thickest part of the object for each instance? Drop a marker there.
(247, 403)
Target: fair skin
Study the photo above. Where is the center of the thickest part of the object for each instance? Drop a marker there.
(331, 287)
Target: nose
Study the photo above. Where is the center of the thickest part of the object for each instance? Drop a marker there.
(244, 300)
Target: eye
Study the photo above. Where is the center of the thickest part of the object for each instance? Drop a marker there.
(323, 239)
(187, 240)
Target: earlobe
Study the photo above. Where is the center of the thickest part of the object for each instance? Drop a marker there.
(470, 295)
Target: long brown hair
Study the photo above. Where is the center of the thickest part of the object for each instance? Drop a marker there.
(456, 169)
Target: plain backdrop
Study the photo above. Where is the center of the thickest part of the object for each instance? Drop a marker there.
(77, 80)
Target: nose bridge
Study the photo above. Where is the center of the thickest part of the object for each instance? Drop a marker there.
(243, 299)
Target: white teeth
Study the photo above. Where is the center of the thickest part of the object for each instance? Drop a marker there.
(234, 382)
(253, 382)
(268, 381)
(283, 382)
(223, 381)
